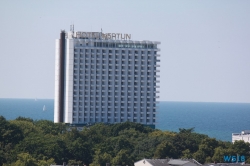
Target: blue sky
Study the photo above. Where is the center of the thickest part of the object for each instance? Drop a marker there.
(205, 52)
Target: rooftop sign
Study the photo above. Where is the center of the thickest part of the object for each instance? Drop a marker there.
(104, 36)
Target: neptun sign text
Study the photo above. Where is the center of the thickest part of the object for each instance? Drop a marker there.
(100, 35)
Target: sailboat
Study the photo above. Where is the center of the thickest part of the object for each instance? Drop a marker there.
(44, 108)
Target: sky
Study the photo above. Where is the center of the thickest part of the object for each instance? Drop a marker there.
(205, 45)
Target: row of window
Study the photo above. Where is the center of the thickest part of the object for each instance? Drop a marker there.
(125, 45)
(123, 57)
(110, 63)
(122, 110)
(110, 99)
(116, 82)
(142, 105)
(92, 85)
(123, 93)
(91, 120)
(98, 62)
(104, 59)
(135, 73)
(123, 68)
(109, 114)
(114, 51)
(114, 88)
(110, 77)
(115, 104)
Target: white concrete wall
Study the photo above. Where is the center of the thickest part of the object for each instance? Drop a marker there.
(56, 102)
(68, 112)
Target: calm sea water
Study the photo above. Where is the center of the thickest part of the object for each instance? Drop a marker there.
(218, 120)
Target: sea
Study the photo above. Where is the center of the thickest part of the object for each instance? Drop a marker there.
(217, 120)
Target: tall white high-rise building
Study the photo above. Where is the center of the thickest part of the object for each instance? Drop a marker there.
(105, 77)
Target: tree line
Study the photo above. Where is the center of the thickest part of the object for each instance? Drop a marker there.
(24, 141)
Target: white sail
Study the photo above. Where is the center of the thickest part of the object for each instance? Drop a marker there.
(44, 108)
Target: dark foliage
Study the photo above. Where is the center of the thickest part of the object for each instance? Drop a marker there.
(24, 141)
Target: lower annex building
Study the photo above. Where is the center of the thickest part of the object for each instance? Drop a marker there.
(105, 78)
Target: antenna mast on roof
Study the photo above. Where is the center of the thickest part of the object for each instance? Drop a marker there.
(72, 28)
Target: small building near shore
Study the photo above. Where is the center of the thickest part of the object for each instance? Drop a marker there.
(244, 135)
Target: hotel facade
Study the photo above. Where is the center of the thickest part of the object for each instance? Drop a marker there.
(105, 78)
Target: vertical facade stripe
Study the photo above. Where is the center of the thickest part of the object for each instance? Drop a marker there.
(61, 76)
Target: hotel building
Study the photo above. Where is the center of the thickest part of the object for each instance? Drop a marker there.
(105, 78)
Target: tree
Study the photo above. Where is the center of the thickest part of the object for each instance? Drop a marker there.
(25, 159)
(208, 145)
(164, 150)
(48, 127)
(241, 147)
(80, 150)
(45, 162)
(101, 159)
(9, 133)
(206, 150)
(200, 156)
(220, 152)
(74, 162)
(186, 139)
(186, 154)
(24, 119)
(26, 126)
(122, 158)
